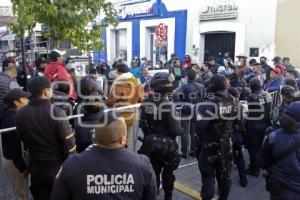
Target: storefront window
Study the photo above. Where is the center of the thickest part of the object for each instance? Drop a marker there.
(121, 44)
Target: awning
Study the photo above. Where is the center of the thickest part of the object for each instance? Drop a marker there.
(6, 35)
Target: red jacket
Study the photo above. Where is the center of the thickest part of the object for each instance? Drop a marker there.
(57, 71)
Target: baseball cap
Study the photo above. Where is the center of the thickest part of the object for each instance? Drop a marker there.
(277, 70)
(15, 94)
(294, 110)
(277, 59)
(55, 53)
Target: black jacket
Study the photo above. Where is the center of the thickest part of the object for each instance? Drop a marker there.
(12, 149)
(47, 139)
(193, 92)
(156, 117)
(108, 174)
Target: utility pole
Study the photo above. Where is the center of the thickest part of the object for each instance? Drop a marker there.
(24, 75)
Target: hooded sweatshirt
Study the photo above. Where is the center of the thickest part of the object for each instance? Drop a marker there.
(126, 90)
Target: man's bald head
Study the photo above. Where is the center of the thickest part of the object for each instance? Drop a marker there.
(113, 135)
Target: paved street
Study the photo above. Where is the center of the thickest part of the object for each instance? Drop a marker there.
(190, 177)
(187, 177)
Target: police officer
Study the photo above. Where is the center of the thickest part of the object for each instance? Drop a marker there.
(237, 139)
(215, 119)
(106, 170)
(49, 141)
(287, 97)
(160, 128)
(90, 104)
(258, 119)
(280, 156)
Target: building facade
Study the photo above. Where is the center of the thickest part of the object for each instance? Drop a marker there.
(146, 29)
(288, 30)
(235, 26)
(199, 28)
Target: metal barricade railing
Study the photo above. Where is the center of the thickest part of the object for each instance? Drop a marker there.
(3, 188)
(276, 100)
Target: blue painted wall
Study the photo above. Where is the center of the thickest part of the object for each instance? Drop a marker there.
(101, 54)
(159, 11)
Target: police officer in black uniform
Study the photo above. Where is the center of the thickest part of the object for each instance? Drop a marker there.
(258, 119)
(160, 128)
(91, 104)
(106, 170)
(215, 119)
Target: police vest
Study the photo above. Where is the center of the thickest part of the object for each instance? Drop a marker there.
(157, 120)
(258, 108)
(227, 114)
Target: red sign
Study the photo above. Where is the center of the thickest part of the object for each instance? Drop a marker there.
(161, 32)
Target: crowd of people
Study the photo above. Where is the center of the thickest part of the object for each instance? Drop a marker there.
(219, 109)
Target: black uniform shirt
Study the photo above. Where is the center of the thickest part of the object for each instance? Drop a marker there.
(45, 137)
(110, 174)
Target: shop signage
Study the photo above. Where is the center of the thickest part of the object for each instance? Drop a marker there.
(126, 11)
(218, 9)
(130, 8)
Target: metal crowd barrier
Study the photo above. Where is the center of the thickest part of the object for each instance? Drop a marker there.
(69, 117)
(276, 100)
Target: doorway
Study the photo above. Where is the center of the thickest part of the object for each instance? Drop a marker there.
(217, 43)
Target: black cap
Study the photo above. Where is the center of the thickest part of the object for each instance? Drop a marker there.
(294, 110)
(123, 68)
(15, 94)
(276, 59)
(37, 85)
